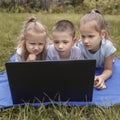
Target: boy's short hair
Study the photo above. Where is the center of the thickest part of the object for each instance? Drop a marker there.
(64, 26)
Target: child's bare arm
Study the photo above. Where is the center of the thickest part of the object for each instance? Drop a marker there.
(100, 80)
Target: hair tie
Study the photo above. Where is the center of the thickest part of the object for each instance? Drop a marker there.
(93, 11)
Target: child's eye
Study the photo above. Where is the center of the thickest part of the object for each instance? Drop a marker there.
(56, 42)
(65, 42)
(82, 36)
(91, 36)
(40, 43)
(32, 43)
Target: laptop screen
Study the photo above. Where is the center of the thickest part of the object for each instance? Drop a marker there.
(51, 80)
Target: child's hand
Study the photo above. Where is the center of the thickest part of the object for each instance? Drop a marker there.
(31, 57)
(99, 83)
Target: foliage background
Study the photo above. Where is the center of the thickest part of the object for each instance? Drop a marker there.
(60, 6)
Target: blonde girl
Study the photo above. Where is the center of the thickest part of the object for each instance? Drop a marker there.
(95, 44)
(32, 41)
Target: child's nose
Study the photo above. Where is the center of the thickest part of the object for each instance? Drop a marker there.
(36, 47)
(60, 45)
(86, 40)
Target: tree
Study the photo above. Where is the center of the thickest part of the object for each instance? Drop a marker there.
(45, 4)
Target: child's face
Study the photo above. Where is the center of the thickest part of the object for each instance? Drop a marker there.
(35, 43)
(90, 37)
(63, 43)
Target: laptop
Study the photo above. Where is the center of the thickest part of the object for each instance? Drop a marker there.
(43, 81)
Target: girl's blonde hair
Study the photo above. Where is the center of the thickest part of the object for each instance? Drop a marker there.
(32, 25)
(95, 15)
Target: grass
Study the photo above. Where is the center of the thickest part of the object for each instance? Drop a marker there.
(10, 26)
(59, 112)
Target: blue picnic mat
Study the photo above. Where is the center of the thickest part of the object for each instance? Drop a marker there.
(107, 97)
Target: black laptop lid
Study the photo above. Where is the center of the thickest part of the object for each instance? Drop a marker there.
(51, 80)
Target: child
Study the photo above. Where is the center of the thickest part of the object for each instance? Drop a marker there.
(64, 39)
(32, 41)
(95, 44)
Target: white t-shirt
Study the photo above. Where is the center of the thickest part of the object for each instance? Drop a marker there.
(52, 53)
(105, 50)
(18, 55)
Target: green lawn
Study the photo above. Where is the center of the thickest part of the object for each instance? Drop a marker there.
(10, 26)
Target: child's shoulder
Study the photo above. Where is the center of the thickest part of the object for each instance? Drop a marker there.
(19, 51)
(80, 44)
(75, 47)
(107, 43)
(51, 48)
(107, 46)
